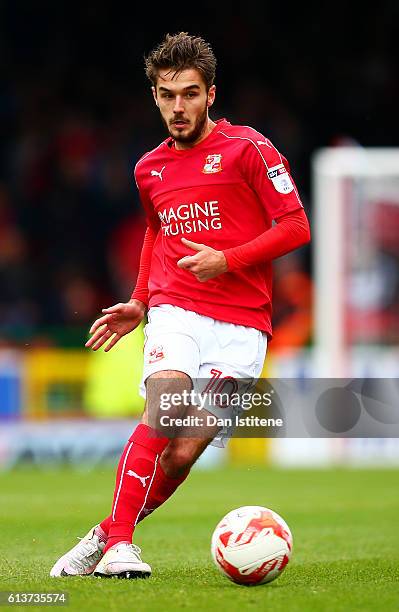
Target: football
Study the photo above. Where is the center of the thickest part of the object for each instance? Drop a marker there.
(251, 545)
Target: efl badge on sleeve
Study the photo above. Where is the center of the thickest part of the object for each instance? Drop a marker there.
(280, 179)
(213, 163)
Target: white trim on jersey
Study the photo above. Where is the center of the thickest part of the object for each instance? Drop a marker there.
(293, 184)
(266, 141)
(251, 141)
(277, 151)
(263, 159)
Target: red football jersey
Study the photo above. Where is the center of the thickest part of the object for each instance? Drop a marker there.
(223, 192)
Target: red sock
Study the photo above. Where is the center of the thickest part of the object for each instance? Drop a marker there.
(162, 488)
(135, 477)
(106, 523)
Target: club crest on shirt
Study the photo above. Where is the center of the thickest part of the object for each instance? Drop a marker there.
(213, 164)
(280, 179)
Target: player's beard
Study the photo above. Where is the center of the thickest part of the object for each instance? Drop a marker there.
(195, 133)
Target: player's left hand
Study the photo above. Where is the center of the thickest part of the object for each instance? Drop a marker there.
(205, 264)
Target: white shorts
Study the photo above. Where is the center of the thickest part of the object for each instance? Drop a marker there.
(201, 347)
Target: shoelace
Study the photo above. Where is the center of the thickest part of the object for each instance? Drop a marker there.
(86, 556)
(89, 555)
(136, 550)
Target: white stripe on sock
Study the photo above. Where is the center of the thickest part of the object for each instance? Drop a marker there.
(148, 490)
(120, 482)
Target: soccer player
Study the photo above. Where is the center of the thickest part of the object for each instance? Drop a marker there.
(210, 191)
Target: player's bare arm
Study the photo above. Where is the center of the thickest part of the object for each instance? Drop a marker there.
(116, 322)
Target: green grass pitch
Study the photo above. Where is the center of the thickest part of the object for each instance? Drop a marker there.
(345, 525)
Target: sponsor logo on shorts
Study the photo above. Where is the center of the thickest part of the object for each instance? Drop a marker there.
(156, 354)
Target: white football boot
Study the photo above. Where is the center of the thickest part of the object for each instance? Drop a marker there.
(82, 559)
(122, 561)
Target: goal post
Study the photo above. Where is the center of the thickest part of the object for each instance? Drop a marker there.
(355, 254)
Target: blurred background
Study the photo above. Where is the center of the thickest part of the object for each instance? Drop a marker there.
(76, 114)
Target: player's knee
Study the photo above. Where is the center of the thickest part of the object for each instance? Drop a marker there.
(177, 459)
(160, 388)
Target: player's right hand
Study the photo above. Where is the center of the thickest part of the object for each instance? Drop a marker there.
(116, 322)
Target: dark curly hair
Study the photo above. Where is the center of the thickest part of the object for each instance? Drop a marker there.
(180, 52)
